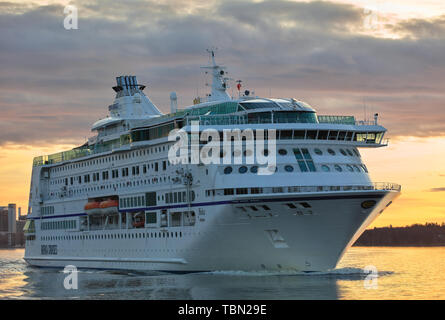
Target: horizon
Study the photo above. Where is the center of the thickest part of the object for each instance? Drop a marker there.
(343, 57)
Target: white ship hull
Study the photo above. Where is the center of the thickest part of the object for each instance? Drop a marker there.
(279, 239)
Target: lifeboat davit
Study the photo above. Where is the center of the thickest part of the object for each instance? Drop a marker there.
(109, 206)
(93, 207)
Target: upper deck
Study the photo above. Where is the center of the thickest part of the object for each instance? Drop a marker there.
(289, 123)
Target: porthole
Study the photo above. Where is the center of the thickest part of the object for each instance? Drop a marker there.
(242, 169)
(318, 151)
(356, 152)
(349, 167)
(364, 168)
(228, 170)
(282, 152)
(254, 169)
(349, 152)
(331, 152)
(343, 152)
(325, 168)
(356, 168)
(289, 168)
(338, 168)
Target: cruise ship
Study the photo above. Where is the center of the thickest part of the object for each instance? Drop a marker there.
(119, 201)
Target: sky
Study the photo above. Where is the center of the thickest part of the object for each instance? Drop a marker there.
(343, 57)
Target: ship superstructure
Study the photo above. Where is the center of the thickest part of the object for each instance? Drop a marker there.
(117, 202)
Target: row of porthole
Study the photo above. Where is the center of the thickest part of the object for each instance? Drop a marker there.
(349, 168)
(289, 168)
(283, 152)
(344, 152)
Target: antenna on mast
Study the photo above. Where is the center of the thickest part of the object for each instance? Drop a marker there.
(219, 80)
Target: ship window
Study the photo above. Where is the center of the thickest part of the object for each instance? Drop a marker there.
(349, 168)
(227, 170)
(286, 134)
(333, 135)
(254, 169)
(322, 135)
(242, 191)
(265, 207)
(325, 168)
(364, 168)
(282, 152)
(291, 205)
(228, 192)
(343, 152)
(338, 168)
(299, 134)
(311, 134)
(356, 168)
(349, 152)
(331, 152)
(256, 190)
(289, 168)
(356, 152)
(242, 169)
(318, 151)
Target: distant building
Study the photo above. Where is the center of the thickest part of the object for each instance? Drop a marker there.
(3, 219)
(12, 218)
(11, 229)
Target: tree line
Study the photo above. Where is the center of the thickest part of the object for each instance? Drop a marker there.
(429, 234)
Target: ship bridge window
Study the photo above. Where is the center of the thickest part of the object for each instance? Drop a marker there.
(258, 105)
(294, 117)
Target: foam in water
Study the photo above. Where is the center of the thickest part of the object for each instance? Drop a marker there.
(341, 272)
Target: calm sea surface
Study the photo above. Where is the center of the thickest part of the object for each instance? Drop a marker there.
(403, 273)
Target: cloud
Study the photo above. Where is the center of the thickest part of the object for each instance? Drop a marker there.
(54, 83)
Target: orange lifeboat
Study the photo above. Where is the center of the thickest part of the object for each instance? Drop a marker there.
(92, 207)
(109, 206)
